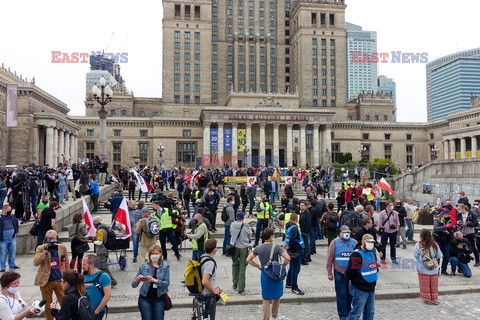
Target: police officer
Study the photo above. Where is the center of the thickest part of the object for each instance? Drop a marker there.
(339, 253)
(164, 217)
(264, 214)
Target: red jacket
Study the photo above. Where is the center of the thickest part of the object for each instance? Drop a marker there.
(453, 215)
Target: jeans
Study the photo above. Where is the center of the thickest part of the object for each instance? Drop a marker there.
(187, 207)
(293, 271)
(131, 193)
(239, 265)
(409, 233)
(462, 266)
(363, 303)
(94, 198)
(8, 245)
(63, 189)
(392, 238)
(312, 237)
(140, 195)
(151, 309)
(136, 240)
(445, 248)
(471, 237)
(196, 254)
(251, 201)
(211, 307)
(226, 239)
(273, 197)
(318, 232)
(306, 249)
(342, 291)
(377, 205)
(163, 242)
(100, 315)
(195, 207)
(402, 234)
(261, 224)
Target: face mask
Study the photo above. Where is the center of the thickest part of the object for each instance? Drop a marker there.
(96, 225)
(12, 290)
(44, 202)
(449, 206)
(369, 246)
(475, 206)
(155, 257)
(346, 236)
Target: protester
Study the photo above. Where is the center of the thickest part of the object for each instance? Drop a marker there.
(230, 212)
(468, 223)
(99, 286)
(164, 216)
(209, 278)
(272, 290)
(264, 210)
(77, 233)
(460, 255)
(427, 250)
(199, 236)
(306, 229)
(410, 208)
(294, 245)
(443, 234)
(389, 223)
(8, 230)
(330, 220)
(146, 241)
(155, 275)
(402, 214)
(47, 221)
(95, 192)
(12, 306)
(52, 259)
(74, 287)
(241, 233)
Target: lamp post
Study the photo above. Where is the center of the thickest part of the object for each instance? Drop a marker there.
(160, 149)
(363, 149)
(103, 96)
(245, 155)
(434, 152)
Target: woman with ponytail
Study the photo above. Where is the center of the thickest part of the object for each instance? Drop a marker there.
(74, 287)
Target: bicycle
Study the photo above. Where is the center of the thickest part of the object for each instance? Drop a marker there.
(200, 312)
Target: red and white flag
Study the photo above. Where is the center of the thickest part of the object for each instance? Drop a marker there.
(385, 186)
(144, 185)
(288, 180)
(251, 181)
(123, 217)
(92, 231)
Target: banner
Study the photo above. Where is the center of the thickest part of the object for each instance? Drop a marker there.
(144, 185)
(227, 140)
(309, 140)
(288, 180)
(296, 140)
(243, 179)
(251, 181)
(241, 140)
(213, 139)
(12, 108)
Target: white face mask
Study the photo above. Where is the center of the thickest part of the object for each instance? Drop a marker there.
(155, 257)
(369, 246)
(346, 235)
(12, 290)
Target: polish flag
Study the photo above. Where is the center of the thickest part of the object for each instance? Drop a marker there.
(144, 185)
(123, 217)
(385, 186)
(92, 231)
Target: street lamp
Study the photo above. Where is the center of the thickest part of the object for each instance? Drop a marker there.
(434, 152)
(160, 149)
(103, 96)
(245, 154)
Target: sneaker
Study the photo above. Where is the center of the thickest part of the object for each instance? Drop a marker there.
(3, 270)
(15, 267)
(305, 263)
(404, 246)
(436, 303)
(394, 261)
(298, 292)
(477, 264)
(445, 273)
(428, 302)
(242, 293)
(179, 258)
(452, 273)
(397, 246)
(287, 286)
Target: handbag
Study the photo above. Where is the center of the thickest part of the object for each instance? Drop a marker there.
(274, 269)
(428, 262)
(34, 229)
(83, 246)
(231, 248)
(168, 302)
(382, 228)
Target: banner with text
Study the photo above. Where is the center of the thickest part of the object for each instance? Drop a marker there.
(296, 140)
(12, 109)
(227, 140)
(241, 140)
(213, 139)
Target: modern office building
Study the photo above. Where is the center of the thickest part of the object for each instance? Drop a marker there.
(100, 62)
(451, 80)
(361, 76)
(388, 85)
(93, 78)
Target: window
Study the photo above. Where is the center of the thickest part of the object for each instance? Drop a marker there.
(155, 113)
(176, 99)
(314, 19)
(176, 88)
(186, 99)
(431, 136)
(409, 151)
(366, 152)
(143, 133)
(197, 16)
(322, 18)
(117, 151)
(385, 118)
(376, 117)
(177, 34)
(367, 117)
(124, 112)
(187, 45)
(335, 152)
(315, 103)
(90, 150)
(186, 152)
(177, 45)
(387, 136)
(388, 151)
(314, 41)
(187, 77)
(332, 19)
(365, 136)
(177, 11)
(187, 35)
(324, 103)
(196, 100)
(333, 104)
(89, 132)
(177, 77)
(197, 46)
(332, 42)
(113, 112)
(143, 153)
(117, 133)
(187, 133)
(409, 136)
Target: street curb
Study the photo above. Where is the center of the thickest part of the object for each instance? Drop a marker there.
(257, 300)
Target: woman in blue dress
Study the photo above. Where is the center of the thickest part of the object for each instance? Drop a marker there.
(272, 290)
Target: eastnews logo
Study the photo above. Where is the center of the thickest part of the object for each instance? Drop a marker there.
(82, 57)
(392, 57)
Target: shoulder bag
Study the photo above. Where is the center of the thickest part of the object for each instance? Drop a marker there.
(82, 246)
(231, 248)
(274, 269)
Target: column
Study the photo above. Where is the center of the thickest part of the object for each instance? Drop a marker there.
(61, 145)
(73, 149)
(55, 148)
(248, 143)
(102, 113)
(463, 148)
(289, 145)
(206, 144)
(276, 145)
(452, 149)
(261, 148)
(327, 144)
(303, 146)
(474, 146)
(36, 145)
(445, 149)
(316, 147)
(67, 146)
(49, 147)
(220, 144)
(234, 144)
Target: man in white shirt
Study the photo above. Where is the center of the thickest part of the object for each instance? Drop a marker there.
(70, 183)
(410, 208)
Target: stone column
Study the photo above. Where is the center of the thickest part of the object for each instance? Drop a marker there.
(452, 149)
(289, 145)
(445, 149)
(61, 145)
(316, 146)
(220, 143)
(49, 147)
(206, 144)
(36, 145)
(276, 146)
(248, 143)
(102, 113)
(303, 146)
(327, 145)
(474, 146)
(55, 147)
(463, 148)
(73, 149)
(234, 144)
(67, 146)
(261, 148)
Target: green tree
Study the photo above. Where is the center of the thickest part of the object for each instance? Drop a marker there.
(344, 157)
(379, 165)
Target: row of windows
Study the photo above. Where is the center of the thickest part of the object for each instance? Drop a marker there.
(186, 88)
(186, 77)
(186, 56)
(186, 66)
(323, 42)
(333, 103)
(186, 99)
(323, 72)
(315, 82)
(366, 153)
(186, 45)
(324, 92)
(186, 35)
(365, 136)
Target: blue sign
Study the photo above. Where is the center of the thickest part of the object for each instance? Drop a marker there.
(213, 139)
(227, 140)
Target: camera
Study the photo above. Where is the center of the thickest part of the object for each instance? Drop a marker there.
(52, 245)
(392, 226)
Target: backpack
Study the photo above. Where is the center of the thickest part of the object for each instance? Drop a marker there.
(331, 223)
(111, 238)
(85, 309)
(95, 283)
(224, 214)
(153, 228)
(193, 275)
(351, 219)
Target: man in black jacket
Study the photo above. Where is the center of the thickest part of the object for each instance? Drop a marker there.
(293, 243)
(467, 222)
(368, 228)
(306, 227)
(460, 250)
(402, 213)
(315, 225)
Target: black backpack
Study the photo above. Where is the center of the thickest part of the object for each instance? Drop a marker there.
(352, 219)
(153, 229)
(331, 223)
(85, 309)
(224, 214)
(111, 238)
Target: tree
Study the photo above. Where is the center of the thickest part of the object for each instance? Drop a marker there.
(344, 157)
(379, 165)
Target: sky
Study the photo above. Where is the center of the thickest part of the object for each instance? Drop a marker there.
(40, 27)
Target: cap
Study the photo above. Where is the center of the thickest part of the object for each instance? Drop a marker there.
(145, 210)
(445, 211)
(344, 228)
(368, 237)
(97, 218)
(240, 215)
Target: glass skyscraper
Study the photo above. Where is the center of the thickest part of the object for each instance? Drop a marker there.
(450, 82)
(388, 85)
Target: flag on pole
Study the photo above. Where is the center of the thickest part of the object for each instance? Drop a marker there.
(385, 186)
(92, 231)
(123, 217)
(144, 185)
(251, 181)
